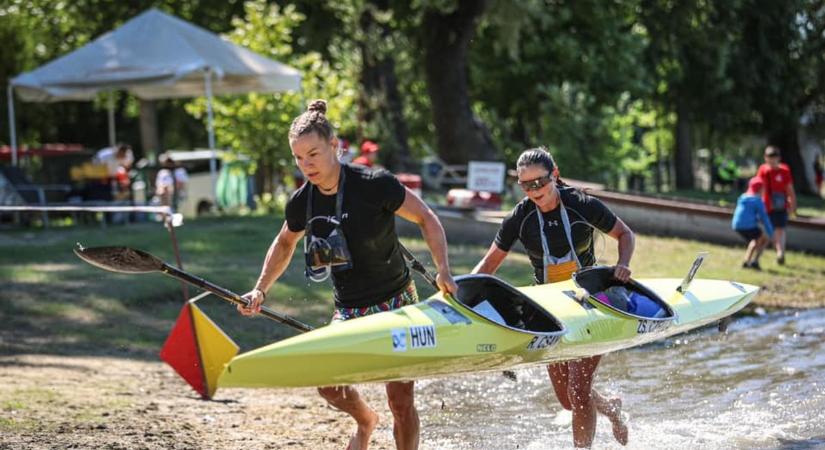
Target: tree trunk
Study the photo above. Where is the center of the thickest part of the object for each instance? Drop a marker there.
(461, 136)
(684, 151)
(149, 136)
(381, 103)
(785, 137)
(657, 176)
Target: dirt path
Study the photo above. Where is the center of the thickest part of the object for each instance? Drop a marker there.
(113, 403)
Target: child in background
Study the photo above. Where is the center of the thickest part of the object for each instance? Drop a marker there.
(750, 210)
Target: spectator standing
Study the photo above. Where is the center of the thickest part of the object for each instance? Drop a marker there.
(170, 182)
(778, 196)
(369, 154)
(345, 154)
(118, 160)
(119, 156)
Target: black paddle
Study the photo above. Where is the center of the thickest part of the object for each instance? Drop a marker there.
(130, 260)
(417, 266)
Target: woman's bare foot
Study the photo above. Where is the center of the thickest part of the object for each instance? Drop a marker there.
(615, 415)
(361, 439)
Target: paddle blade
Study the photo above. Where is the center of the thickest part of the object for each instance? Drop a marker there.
(216, 348)
(180, 351)
(119, 259)
(198, 350)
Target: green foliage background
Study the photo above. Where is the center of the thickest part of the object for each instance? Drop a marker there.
(603, 84)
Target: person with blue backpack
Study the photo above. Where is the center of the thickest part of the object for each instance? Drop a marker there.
(749, 213)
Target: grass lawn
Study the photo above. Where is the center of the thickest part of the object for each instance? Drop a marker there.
(52, 302)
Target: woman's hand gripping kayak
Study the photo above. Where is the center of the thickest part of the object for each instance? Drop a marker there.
(445, 282)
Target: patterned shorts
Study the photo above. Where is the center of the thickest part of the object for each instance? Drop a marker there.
(408, 296)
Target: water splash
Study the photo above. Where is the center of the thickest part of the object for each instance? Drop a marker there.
(759, 386)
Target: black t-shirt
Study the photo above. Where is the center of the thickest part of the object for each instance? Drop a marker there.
(582, 209)
(371, 198)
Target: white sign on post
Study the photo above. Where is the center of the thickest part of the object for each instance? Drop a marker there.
(486, 176)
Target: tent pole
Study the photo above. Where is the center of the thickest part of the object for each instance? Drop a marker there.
(209, 115)
(12, 128)
(210, 125)
(112, 132)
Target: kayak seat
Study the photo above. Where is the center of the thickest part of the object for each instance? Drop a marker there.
(628, 297)
(500, 302)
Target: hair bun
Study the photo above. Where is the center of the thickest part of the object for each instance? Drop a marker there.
(318, 105)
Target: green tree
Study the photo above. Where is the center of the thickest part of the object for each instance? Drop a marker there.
(689, 56)
(557, 74)
(257, 124)
(780, 71)
(445, 35)
(370, 39)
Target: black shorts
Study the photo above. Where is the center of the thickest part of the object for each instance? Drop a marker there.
(750, 234)
(779, 219)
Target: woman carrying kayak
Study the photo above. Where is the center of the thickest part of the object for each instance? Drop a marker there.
(555, 224)
(346, 215)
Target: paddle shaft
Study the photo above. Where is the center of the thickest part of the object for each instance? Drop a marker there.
(417, 266)
(232, 297)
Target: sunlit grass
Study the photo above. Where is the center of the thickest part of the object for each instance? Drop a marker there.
(808, 206)
(53, 302)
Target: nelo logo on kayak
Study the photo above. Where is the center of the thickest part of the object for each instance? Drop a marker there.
(649, 326)
(485, 348)
(542, 342)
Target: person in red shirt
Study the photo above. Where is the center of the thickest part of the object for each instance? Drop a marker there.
(369, 154)
(778, 195)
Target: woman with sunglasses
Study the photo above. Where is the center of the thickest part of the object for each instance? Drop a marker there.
(555, 224)
(346, 215)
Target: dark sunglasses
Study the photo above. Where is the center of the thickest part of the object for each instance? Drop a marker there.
(536, 183)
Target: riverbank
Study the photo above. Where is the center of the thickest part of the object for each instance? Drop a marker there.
(689, 391)
(54, 303)
(49, 401)
(78, 346)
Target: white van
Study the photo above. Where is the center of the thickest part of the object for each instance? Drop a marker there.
(202, 167)
(213, 180)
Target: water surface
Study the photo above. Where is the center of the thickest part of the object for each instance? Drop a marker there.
(761, 386)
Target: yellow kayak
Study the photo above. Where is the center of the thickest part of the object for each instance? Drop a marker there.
(491, 325)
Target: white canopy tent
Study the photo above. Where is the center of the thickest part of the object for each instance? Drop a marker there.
(153, 56)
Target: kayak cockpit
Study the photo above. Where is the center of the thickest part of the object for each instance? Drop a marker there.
(625, 299)
(499, 302)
